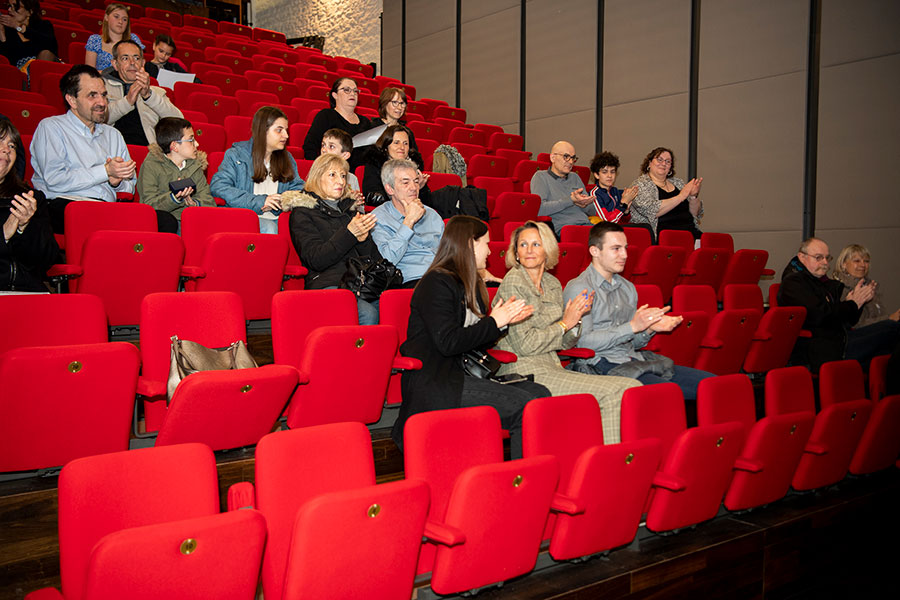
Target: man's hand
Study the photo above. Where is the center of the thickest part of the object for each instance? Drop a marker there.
(645, 316)
(579, 198)
(143, 79)
(629, 194)
(133, 93)
(117, 169)
(666, 323)
(415, 210)
(185, 196)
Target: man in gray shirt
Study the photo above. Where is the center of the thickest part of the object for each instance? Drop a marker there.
(616, 328)
(557, 186)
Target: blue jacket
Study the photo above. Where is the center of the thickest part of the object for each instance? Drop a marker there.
(233, 182)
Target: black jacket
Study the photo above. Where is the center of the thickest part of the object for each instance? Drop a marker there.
(322, 240)
(329, 118)
(374, 159)
(827, 318)
(437, 337)
(25, 258)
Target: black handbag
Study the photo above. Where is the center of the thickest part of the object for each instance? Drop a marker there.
(480, 364)
(367, 277)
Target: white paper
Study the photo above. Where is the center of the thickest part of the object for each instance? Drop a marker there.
(168, 79)
(367, 138)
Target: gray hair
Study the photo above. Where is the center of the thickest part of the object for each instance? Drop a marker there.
(391, 167)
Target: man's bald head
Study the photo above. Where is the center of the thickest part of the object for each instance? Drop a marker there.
(562, 158)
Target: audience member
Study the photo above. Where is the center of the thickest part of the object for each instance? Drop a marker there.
(447, 159)
(391, 109)
(852, 265)
(448, 317)
(163, 50)
(327, 229)
(557, 187)
(407, 232)
(255, 173)
(828, 318)
(663, 200)
(174, 157)
(616, 328)
(552, 327)
(339, 142)
(25, 36)
(611, 203)
(343, 98)
(393, 144)
(20, 154)
(135, 106)
(28, 248)
(116, 27)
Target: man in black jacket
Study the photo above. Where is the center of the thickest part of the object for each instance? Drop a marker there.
(803, 283)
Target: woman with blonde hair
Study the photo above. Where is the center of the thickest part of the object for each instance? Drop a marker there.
(116, 27)
(532, 251)
(851, 266)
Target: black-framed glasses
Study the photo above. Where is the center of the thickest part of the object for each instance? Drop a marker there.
(572, 158)
(398, 103)
(349, 90)
(663, 161)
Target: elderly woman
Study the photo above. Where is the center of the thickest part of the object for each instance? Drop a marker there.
(255, 173)
(391, 110)
(449, 317)
(28, 247)
(116, 27)
(327, 229)
(533, 250)
(392, 144)
(664, 201)
(24, 36)
(343, 98)
(852, 266)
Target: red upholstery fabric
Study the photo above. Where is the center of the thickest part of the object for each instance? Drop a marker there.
(438, 180)
(659, 265)
(64, 319)
(573, 259)
(216, 106)
(467, 135)
(840, 381)
(487, 166)
(880, 445)
(228, 82)
(297, 313)
(449, 112)
(774, 339)
(687, 298)
(25, 115)
(743, 295)
(198, 223)
(744, 266)
(725, 344)
(509, 141)
(717, 240)
(705, 266)
(513, 206)
(682, 344)
(677, 237)
(726, 398)
(878, 377)
(578, 234)
(650, 295)
(393, 308)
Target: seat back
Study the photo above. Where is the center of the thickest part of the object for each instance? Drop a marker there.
(26, 116)
(227, 409)
(744, 266)
(840, 381)
(774, 340)
(682, 344)
(296, 313)
(726, 398)
(879, 445)
(578, 234)
(659, 265)
(726, 342)
(59, 403)
(198, 223)
(393, 308)
(573, 259)
(207, 546)
(102, 494)
(496, 261)
(717, 240)
(250, 264)
(330, 354)
(649, 294)
(878, 376)
(835, 436)
(292, 467)
(677, 237)
(64, 319)
(339, 542)
(149, 261)
(788, 390)
(705, 266)
(743, 295)
(499, 139)
(487, 166)
(653, 412)
(513, 206)
(686, 298)
(217, 106)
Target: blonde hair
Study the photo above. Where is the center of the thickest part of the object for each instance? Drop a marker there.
(321, 166)
(548, 241)
(110, 8)
(848, 253)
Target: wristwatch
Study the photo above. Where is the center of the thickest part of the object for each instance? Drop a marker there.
(19, 28)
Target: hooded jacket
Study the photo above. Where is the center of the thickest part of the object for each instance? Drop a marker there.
(322, 240)
(233, 182)
(150, 110)
(157, 172)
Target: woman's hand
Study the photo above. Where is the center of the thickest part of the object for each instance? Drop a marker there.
(862, 293)
(361, 225)
(423, 178)
(895, 316)
(273, 202)
(488, 276)
(576, 308)
(21, 210)
(510, 311)
(628, 195)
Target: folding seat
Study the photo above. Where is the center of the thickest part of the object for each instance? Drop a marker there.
(228, 409)
(659, 265)
(432, 102)
(409, 89)
(245, 47)
(303, 165)
(65, 319)
(200, 22)
(197, 38)
(426, 149)
(351, 64)
(297, 132)
(648, 294)
(727, 340)
(484, 165)
(682, 344)
(513, 206)
(879, 445)
(295, 314)
(450, 112)
(323, 78)
(292, 114)
(37, 68)
(47, 85)
(237, 128)
(840, 381)
(169, 16)
(100, 495)
(68, 34)
(488, 528)
(836, 431)
(743, 295)
(697, 463)
(438, 180)
(573, 259)
(210, 137)
(283, 71)
(91, 20)
(54, 11)
(187, 54)
(185, 89)
(294, 271)
(467, 135)
(431, 131)
(773, 446)
(138, 154)
(22, 96)
(745, 266)
(570, 428)
(326, 62)
(221, 77)
(704, 266)
(235, 29)
(687, 298)
(494, 186)
(676, 237)
(284, 91)
(26, 116)
(577, 234)
(148, 29)
(496, 261)
(211, 52)
(717, 240)
(878, 376)
(448, 124)
(135, 11)
(393, 309)
(318, 91)
(523, 172)
(488, 128)
(371, 101)
(513, 156)
(238, 64)
(773, 342)
(59, 403)
(215, 105)
(543, 157)
(584, 173)
(248, 98)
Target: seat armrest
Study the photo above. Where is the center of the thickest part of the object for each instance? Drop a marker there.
(45, 594)
(241, 496)
(711, 342)
(746, 464)
(440, 533)
(576, 353)
(503, 356)
(817, 449)
(405, 363)
(65, 271)
(805, 333)
(566, 504)
(668, 482)
(295, 271)
(149, 388)
(191, 272)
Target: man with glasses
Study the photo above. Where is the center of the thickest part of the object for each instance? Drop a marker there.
(561, 190)
(135, 106)
(804, 283)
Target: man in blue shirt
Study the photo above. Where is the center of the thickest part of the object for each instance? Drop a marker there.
(76, 155)
(407, 232)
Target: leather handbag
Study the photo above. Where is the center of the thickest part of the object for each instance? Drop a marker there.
(190, 357)
(480, 364)
(367, 277)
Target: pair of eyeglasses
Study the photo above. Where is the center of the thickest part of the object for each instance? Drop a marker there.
(398, 103)
(819, 257)
(572, 158)
(347, 90)
(188, 141)
(663, 161)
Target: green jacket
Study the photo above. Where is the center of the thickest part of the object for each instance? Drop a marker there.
(157, 171)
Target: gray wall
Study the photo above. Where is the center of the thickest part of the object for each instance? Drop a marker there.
(751, 101)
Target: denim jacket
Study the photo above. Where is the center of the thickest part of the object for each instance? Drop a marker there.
(233, 182)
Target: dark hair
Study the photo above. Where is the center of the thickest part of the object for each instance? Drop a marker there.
(387, 137)
(70, 83)
(387, 94)
(168, 130)
(280, 165)
(645, 166)
(604, 159)
(599, 231)
(167, 40)
(341, 136)
(455, 256)
(11, 184)
(334, 89)
(34, 6)
(115, 48)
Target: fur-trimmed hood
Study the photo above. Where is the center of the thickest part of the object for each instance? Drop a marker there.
(157, 151)
(291, 199)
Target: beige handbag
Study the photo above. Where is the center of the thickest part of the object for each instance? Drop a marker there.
(189, 357)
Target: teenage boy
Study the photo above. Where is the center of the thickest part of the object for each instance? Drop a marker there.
(611, 203)
(174, 157)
